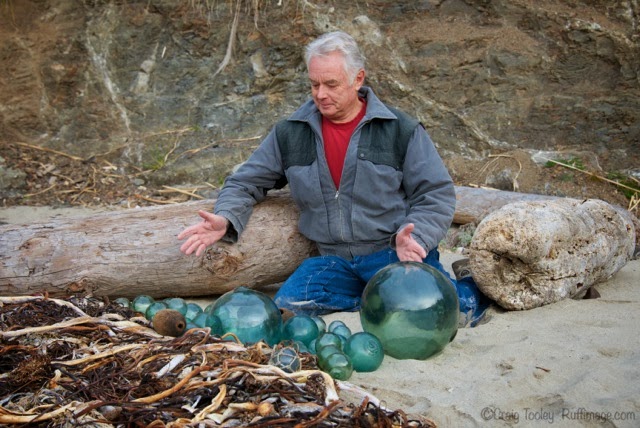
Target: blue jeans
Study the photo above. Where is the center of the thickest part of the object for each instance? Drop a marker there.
(326, 284)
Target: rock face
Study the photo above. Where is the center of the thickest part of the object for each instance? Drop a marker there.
(144, 82)
(528, 254)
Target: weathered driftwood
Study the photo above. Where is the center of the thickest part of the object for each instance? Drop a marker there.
(529, 254)
(132, 252)
(474, 203)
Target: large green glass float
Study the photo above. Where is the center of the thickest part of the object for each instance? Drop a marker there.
(251, 315)
(412, 308)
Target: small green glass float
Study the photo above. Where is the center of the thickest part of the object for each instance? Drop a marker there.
(204, 319)
(123, 301)
(286, 358)
(328, 339)
(153, 309)
(301, 347)
(301, 328)
(334, 324)
(193, 309)
(141, 303)
(250, 315)
(365, 351)
(324, 352)
(412, 308)
(322, 325)
(312, 346)
(338, 366)
(177, 304)
(342, 330)
(209, 307)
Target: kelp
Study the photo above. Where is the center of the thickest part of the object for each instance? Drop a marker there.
(84, 361)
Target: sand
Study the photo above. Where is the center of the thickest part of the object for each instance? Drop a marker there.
(571, 363)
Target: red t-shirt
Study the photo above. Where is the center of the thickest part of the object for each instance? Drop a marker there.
(336, 140)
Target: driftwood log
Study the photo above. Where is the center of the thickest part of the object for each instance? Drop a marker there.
(126, 253)
(528, 254)
(131, 252)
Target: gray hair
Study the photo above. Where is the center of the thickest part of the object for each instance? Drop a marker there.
(337, 41)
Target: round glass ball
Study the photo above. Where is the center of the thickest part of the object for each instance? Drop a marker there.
(177, 304)
(193, 309)
(412, 308)
(141, 303)
(204, 319)
(286, 358)
(153, 309)
(300, 327)
(338, 366)
(365, 351)
(327, 339)
(251, 315)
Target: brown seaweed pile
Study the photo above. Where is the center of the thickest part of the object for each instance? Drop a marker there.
(84, 362)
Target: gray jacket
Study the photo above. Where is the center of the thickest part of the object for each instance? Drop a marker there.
(373, 202)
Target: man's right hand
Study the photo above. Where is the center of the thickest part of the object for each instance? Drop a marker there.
(201, 235)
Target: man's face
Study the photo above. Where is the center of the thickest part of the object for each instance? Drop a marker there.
(332, 92)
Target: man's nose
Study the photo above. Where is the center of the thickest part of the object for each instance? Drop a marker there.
(322, 92)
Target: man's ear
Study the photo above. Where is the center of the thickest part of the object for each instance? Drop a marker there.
(359, 80)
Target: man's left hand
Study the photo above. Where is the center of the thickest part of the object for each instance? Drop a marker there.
(408, 248)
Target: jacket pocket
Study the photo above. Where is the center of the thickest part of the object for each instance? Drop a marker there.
(379, 202)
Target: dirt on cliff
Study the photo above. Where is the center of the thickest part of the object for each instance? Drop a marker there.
(59, 178)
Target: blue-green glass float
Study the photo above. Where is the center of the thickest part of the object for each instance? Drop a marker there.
(322, 326)
(300, 328)
(193, 309)
(324, 352)
(326, 339)
(177, 304)
(251, 315)
(335, 324)
(365, 351)
(141, 303)
(338, 365)
(286, 358)
(342, 330)
(412, 308)
(204, 319)
(312, 346)
(153, 309)
(123, 301)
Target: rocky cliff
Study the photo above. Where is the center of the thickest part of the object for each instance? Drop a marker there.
(184, 90)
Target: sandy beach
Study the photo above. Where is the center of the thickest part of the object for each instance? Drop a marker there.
(571, 363)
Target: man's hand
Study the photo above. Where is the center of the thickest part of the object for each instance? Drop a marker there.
(207, 232)
(408, 248)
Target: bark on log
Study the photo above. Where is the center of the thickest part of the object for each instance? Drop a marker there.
(132, 252)
(529, 254)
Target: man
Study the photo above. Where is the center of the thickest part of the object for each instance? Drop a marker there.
(369, 183)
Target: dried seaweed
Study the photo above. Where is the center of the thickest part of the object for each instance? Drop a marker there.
(81, 361)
